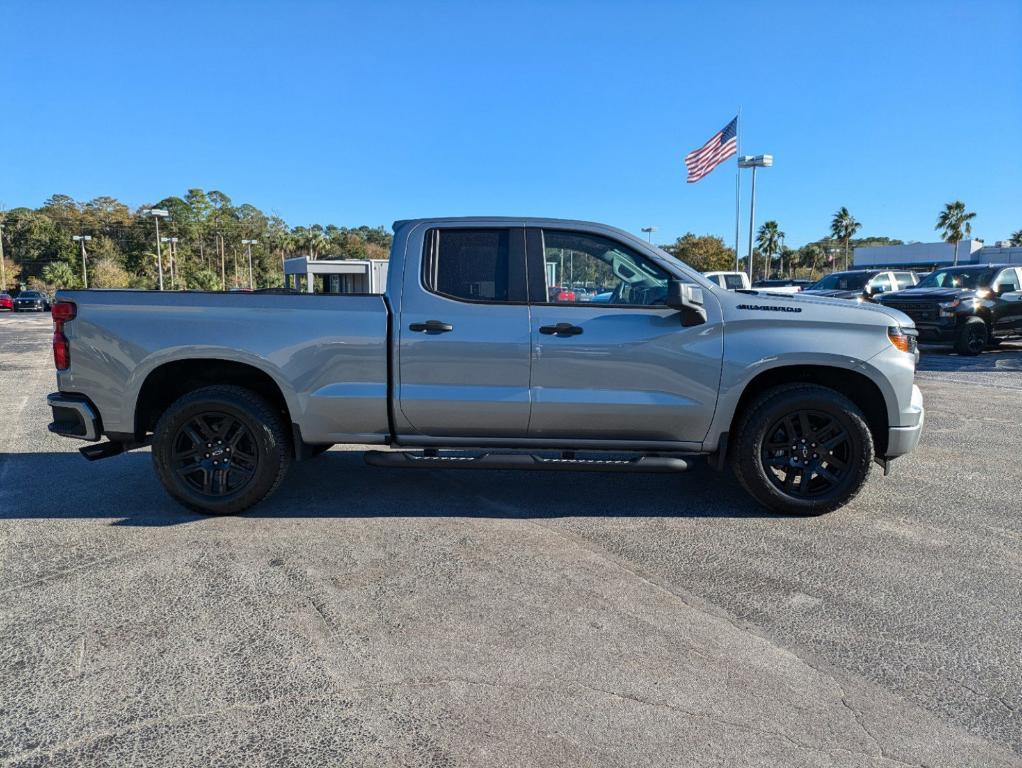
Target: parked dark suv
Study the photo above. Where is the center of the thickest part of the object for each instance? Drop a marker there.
(861, 283)
(968, 307)
(28, 301)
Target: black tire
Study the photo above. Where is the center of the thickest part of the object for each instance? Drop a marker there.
(972, 337)
(783, 434)
(245, 457)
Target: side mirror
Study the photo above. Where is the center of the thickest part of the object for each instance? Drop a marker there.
(688, 299)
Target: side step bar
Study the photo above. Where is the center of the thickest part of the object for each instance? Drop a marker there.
(98, 451)
(410, 460)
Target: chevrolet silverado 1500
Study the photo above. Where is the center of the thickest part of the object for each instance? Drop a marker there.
(470, 360)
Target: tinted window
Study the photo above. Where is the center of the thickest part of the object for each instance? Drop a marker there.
(29, 295)
(467, 263)
(905, 279)
(1008, 280)
(733, 282)
(881, 283)
(581, 268)
(958, 277)
(842, 281)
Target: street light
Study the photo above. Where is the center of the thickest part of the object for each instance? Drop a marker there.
(649, 234)
(157, 214)
(754, 162)
(85, 272)
(173, 259)
(249, 244)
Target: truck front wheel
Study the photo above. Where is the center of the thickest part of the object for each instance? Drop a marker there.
(803, 449)
(221, 449)
(972, 337)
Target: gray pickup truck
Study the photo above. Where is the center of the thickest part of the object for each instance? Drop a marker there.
(500, 343)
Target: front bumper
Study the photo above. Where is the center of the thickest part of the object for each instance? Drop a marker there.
(74, 416)
(904, 439)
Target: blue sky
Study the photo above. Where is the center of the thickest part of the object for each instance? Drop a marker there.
(370, 112)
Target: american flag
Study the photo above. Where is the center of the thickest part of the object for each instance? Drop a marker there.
(719, 148)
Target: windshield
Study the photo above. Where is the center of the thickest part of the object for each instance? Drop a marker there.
(841, 281)
(967, 277)
(29, 295)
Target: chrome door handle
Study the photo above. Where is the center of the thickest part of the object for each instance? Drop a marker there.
(561, 329)
(431, 326)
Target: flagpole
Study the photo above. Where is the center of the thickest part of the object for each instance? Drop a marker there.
(738, 184)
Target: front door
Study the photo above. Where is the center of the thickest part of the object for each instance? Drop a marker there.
(463, 336)
(1007, 314)
(610, 360)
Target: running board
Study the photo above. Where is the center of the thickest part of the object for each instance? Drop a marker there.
(409, 460)
(98, 451)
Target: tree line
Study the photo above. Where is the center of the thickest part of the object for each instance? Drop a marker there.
(39, 249)
(772, 258)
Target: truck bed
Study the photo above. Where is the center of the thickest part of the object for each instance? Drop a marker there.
(327, 353)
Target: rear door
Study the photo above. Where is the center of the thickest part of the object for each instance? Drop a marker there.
(1008, 307)
(463, 335)
(610, 360)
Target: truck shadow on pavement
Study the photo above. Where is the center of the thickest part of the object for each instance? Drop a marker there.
(338, 484)
(1005, 359)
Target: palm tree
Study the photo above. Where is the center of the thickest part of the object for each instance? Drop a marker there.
(1016, 239)
(843, 227)
(768, 241)
(953, 224)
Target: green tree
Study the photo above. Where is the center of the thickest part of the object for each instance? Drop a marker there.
(843, 227)
(768, 241)
(705, 253)
(58, 274)
(954, 224)
(1016, 238)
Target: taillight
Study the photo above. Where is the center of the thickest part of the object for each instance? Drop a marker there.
(62, 312)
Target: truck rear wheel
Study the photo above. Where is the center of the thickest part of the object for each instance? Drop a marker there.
(972, 337)
(221, 449)
(803, 449)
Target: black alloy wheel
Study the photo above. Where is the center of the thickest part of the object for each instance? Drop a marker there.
(222, 448)
(806, 454)
(215, 454)
(802, 449)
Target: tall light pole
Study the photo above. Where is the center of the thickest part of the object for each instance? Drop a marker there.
(3, 267)
(248, 244)
(157, 214)
(649, 234)
(81, 239)
(754, 162)
(173, 259)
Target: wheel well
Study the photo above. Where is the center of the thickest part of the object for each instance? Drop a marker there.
(857, 387)
(170, 381)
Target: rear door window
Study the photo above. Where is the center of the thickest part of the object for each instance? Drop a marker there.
(473, 265)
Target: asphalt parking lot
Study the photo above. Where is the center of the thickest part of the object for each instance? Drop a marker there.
(366, 616)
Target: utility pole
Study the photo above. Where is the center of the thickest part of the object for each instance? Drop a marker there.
(649, 234)
(156, 214)
(85, 272)
(754, 162)
(248, 244)
(3, 267)
(173, 260)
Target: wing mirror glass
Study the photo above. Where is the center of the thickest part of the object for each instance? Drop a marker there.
(688, 299)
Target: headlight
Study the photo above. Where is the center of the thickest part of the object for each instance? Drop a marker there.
(903, 338)
(947, 308)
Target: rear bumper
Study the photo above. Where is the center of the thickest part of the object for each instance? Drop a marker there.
(904, 439)
(74, 416)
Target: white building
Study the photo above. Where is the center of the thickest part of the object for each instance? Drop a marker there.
(930, 255)
(335, 275)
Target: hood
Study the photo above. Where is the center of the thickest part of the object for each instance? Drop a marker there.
(833, 293)
(806, 297)
(927, 294)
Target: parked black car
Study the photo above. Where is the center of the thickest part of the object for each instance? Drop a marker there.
(861, 283)
(28, 301)
(969, 307)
